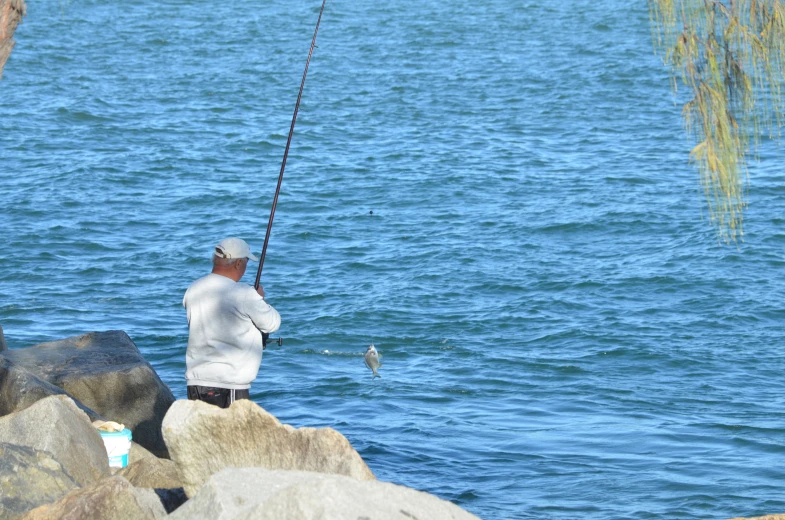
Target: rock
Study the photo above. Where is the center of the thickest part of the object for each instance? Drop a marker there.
(135, 454)
(29, 478)
(171, 498)
(766, 517)
(11, 13)
(139, 453)
(19, 389)
(203, 439)
(110, 499)
(3, 344)
(56, 425)
(107, 373)
(259, 494)
(155, 473)
(145, 470)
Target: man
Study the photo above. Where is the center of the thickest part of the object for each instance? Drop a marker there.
(226, 320)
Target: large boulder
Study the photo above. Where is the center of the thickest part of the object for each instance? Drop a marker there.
(152, 473)
(56, 425)
(145, 470)
(110, 499)
(139, 453)
(203, 439)
(106, 372)
(29, 478)
(19, 389)
(259, 494)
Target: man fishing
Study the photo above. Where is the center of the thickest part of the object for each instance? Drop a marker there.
(226, 320)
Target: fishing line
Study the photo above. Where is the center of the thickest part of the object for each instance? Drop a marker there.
(286, 151)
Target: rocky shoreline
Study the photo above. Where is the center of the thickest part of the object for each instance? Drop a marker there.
(188, 459)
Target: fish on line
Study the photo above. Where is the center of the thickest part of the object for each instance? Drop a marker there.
(372, 360)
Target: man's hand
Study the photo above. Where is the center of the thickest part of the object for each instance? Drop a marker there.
(260, 291)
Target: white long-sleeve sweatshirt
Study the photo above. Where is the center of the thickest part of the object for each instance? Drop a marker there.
(225, 324)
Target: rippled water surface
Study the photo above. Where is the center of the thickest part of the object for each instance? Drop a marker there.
(496, 194)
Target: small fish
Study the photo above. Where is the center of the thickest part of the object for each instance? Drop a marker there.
(372, 360)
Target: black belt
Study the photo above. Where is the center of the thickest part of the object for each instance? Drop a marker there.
(221, 397)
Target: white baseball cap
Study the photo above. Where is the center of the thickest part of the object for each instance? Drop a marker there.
(234, 248)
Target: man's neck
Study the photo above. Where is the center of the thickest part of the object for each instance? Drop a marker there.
(228, 272)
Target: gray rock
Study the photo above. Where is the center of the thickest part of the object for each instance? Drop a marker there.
(19, 389)
(29, 478)
(139, 453)
(107, 373)
(145, 470)
(203, 439)
(56, 425)
(3, 344)
(259, 494)
(152, 473)
(110, 499)
(149, 502)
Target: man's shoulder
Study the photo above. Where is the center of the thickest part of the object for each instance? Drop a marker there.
(245, 292)
(210, 282)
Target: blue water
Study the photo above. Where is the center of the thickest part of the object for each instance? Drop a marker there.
(562, 334)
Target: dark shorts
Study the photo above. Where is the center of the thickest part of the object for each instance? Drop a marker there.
(221, 397)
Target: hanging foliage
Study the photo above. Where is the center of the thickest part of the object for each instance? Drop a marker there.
(730, 54)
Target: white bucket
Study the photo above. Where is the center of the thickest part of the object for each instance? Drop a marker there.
(117, 444)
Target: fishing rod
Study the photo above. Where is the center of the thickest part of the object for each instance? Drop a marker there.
(265, 335)
(286, 152)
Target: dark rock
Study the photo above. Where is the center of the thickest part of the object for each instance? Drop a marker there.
(29, 478)
(110, 499)
(3, 344)
(57, 426)
(19, 389)
(171, 499)
(105, 372)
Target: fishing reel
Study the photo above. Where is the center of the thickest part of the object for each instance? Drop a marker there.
(266, 338)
